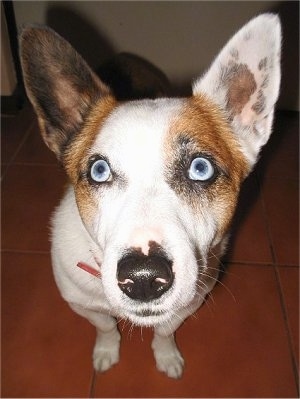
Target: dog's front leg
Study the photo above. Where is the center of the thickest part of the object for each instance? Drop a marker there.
(168, 358)
(106, 349)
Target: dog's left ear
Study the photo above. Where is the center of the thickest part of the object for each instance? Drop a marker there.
(244, 81)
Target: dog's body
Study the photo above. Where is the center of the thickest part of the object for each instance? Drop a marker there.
(154, 183)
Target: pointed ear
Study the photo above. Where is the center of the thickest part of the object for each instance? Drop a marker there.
(244, 81)
(60, 85)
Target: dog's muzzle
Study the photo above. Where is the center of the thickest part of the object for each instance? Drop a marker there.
(144, 277)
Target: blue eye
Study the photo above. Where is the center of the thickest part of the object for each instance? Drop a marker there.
(201, 169)
(100, 171)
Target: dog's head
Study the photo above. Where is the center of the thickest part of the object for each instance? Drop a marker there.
(156, 181)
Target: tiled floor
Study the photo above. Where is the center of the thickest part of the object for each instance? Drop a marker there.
(242, 343)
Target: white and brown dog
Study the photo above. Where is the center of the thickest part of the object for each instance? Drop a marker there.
(154, 182)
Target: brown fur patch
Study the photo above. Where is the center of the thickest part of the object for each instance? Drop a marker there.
(240, 85)
(77, 153)
(203, 124)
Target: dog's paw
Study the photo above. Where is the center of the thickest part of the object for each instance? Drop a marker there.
(171, 364)
(104, 359)
(167, 356)
(106, 350)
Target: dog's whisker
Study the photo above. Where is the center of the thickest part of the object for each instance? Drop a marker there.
(203, 298)
(209, 301)
(125, 321)
(130, 331)
(228, 290)
(141, 331)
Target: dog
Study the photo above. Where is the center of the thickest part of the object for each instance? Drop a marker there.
(153, 182)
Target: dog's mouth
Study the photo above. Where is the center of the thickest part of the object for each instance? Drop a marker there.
(147, 317)
(148, 313)
(144, 315)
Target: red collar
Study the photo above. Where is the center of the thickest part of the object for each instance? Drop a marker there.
(89, 269)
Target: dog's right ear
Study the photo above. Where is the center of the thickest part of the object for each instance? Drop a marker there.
(60, 85)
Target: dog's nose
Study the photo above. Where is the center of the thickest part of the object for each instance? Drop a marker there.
(144, 277)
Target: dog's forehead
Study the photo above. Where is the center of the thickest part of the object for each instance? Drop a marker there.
(137, 124)
(132, 137)
(149, 132)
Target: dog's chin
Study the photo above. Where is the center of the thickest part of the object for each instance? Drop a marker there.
(147, 318)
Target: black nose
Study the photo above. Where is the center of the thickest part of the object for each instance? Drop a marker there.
(144, 277)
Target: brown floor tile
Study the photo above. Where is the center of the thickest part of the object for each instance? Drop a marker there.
(29, 195)
(289, 280)
(13, 132)
(280, 157)
(46, 348)
(34, 149)
(233, 348)
(249, 239)
(281, 198)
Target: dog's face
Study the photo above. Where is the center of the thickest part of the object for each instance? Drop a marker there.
(156, 181)
(150, 184)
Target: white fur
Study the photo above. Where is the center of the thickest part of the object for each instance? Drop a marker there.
(143, 207)
(146, 204)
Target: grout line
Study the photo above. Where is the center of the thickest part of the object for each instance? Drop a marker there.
(258, 264)
(284, 265)
(287, 328)
(7, 115)
(280, 291)
(246, 263)
(265, 177)
(25, 251)
(265, 215)
(93, 384)
(54, 164)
